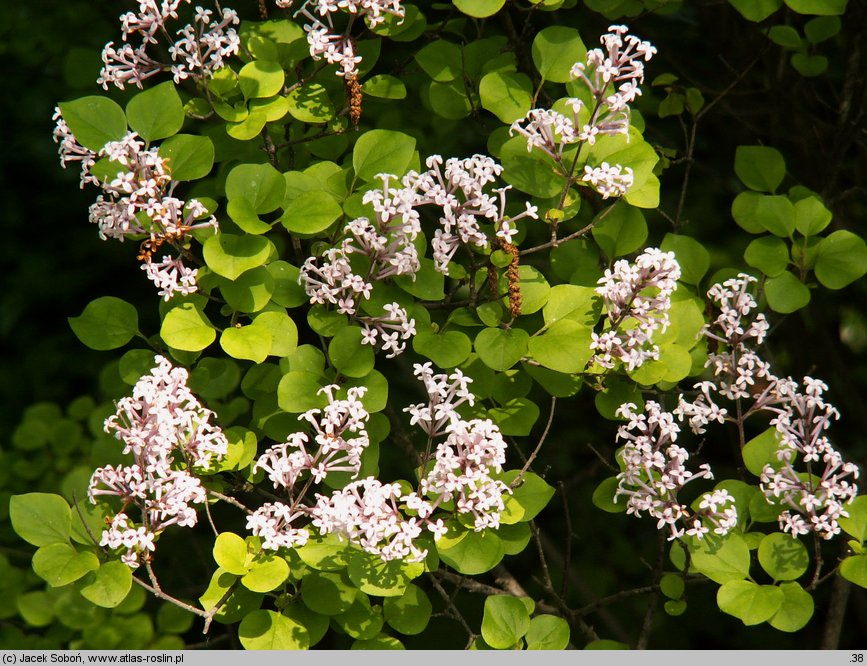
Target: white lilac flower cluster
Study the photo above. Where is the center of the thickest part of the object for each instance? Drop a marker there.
(168, 432)
(325, 42)
(654, 471)
(612, 77)
(384, 519)
(197, 53)
(142, 189)
(815, 501)
(637, 298)
(387, 242)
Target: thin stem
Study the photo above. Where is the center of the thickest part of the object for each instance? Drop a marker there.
(535, 452)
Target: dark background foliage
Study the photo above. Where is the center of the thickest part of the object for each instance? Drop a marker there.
(53, 264)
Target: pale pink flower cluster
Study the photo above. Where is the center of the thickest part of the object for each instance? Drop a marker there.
(551, 132)
(325, 42)
(142, 189)
(814, 501)
(384, 519)
(655, 471)
(388, 241)
(198, 52)
(637, 298)
(169, 434)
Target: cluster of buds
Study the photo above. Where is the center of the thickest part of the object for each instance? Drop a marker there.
(612, 77)
(198, 52)
(654, 472)
(169, 434)
(637, 298)
(322, 37)
(138, 201)
(387, 520)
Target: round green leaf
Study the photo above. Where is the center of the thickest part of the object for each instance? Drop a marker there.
(822, 28)
(819, 7)
(297, 392)
(36, 608)
(40, 519)
(311, 212)
(744, 209)
(287, 290)
(783, 557)
(349, 355)
(409, 613)
(471, 552)
(110, 586)
(59, 564)
(188, 156)
(327, 593)
(504, 622)
(750, 603)
(441, 60)
(775, 213)
(603, 496)
(259, 184)
(555, 50)
(756, 10)
(268, 630)
(310, 104)
(621, 231)
(500, 348)
(841, 258)
(796, 609)
(760, 168)
(230, 255)
(378, 642)
(325, 553)
(427, 284)
(248, 127)
(230, 552)
(382, 151)
(730, 561)
(372, 575)
(106, 323)
(547, 632)
(529, 172)
(283, 332)
(564, 347)
(361, 621)
(854, 569)
(769, 254)
(570, 301)
(267, 573)
(449, 100)
(94, 121)
(246, 342)
(156, 113)
(508, 95)
(515, 416)
(250, 292)
(384, 86)
(786, 293)
(811, 216)
(856, 524)
(534, 289)
(479, 8)
(261, 78)
(692, 256)
(446, 350)
(187, 328)
(671, 585)
(762, 450)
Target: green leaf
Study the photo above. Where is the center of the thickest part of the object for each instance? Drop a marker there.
(692, 256)
(428, 284)
(819, 7)
(40, 519)
(515, 417)
(283, 332)
(783, 557)
(564, 347)
(547, 632)
(811, 216)
(267, 573)
(785, 35)
(298, 392)
(671, 585)
(760, 451)
(362, 621)
(795, 611)
(248, 127)
(786, 293)
(504, 622)
(287, 290)
(372, 575)
(822, 28)
(446, 350)
(230, 255)
(621, 230)
(756, 10)
(533, 286)
(752, 604)
(382, 151)
(728, 561)
(555, 50)
(230, 552)
(532, 495)
(603, 496)
(606, 644)
(479, 8)
(529, 172)
(187, 328)
(59, 564)
(776, 214)
(349, 355)
(94, 121)
(841, 258)
(508, 95)
(809, 65)
(744, 209)
(156, 113)
(856, 524)
(327, 593)
(760, 168)
(378, 642)
(854, 569)
(310, 104)
(106, 323)
(110, 586)
(440, 60)
(250, 292)
(268, 630)
(384, 86)
(261, 78)
(769, 254)
(449, 100)
(570, 301)
(500, 348)
(471, 552)
(259, 184)
(325, 553)
(189, 156)
(409, 613)
(615, 394)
